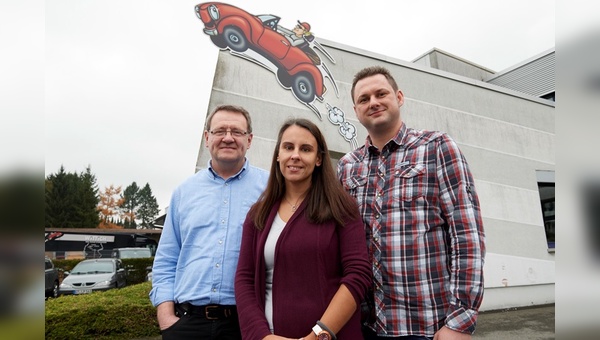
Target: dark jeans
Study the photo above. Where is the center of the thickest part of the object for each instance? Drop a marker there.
(368, 334)
(195, 326)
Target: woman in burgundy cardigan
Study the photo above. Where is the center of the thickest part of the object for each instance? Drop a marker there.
(303, 267)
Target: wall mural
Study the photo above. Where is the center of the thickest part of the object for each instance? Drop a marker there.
(293, 55)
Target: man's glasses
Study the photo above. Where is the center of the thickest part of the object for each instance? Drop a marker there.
(223, 132)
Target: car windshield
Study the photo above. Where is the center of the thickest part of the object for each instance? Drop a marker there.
(135, 253)
(93, 267)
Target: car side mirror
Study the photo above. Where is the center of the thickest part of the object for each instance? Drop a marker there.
(66, 273)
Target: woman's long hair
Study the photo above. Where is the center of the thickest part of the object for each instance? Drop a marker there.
(326, 198)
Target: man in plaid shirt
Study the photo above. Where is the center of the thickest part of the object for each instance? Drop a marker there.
(422, 217)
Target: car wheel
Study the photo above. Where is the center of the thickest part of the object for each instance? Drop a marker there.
(284, 78)
(218, 40)
(235, 39)
(303, 87)
(54, 292)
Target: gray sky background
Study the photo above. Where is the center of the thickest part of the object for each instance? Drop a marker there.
(127, 83)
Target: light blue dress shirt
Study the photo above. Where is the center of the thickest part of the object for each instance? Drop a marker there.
(198, 251)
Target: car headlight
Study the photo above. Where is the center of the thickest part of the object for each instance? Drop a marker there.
(65, 286)
(213, 11)
(103, 284)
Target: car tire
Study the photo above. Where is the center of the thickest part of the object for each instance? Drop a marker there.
(54, 291)
(303, 87)
(284, 78)
(235, 39)
(218, 41)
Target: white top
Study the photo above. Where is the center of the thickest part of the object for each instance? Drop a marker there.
(276, 229)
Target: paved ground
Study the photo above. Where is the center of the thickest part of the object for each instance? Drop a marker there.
(531, 323)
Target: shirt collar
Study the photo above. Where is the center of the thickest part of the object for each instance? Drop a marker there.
(394, 143)
(239, 175)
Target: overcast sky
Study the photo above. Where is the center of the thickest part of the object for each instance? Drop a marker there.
(127, 82)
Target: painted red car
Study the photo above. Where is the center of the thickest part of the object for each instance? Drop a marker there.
(231, 27)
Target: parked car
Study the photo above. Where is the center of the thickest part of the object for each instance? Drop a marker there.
(52, 279)
(94, 275)
(231, 27)
(131, 253)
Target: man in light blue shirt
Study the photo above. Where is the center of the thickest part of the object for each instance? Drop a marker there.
(197, 256)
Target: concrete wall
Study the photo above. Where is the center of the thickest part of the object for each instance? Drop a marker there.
(448, 62)
(505, 136)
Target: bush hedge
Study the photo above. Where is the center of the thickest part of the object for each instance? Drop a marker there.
(124, 313)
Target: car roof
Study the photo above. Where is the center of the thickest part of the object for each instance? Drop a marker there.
(131, 248)
(101, 259)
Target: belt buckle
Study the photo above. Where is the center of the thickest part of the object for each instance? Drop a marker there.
(207, 310)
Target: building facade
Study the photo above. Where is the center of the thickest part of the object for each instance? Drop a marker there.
(507, 136)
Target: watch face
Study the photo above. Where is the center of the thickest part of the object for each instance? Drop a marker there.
(323, 336)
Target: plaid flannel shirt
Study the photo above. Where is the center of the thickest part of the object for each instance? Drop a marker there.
(419, 190)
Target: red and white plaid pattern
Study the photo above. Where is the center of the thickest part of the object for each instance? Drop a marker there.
(424, 231)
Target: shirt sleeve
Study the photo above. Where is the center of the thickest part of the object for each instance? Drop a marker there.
(461, 209)
(167, 255)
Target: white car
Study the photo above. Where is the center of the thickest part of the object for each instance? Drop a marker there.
(93, 275)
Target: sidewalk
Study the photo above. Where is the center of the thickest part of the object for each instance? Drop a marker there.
(531, 323)
(528, 323)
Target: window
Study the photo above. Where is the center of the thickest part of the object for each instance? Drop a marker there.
(547, 198)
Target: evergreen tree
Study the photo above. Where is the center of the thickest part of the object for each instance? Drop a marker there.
(71, 200)
(130, 205)
(89, 199)
(148, 208)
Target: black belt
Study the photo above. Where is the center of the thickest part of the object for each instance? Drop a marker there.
(209, 312)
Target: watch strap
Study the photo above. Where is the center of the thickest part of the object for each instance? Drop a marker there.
(317, 329)
(322, 326)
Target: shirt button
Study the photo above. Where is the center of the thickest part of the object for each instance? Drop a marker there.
(377, 216)
(220, 241)
(214, 289)
(218, 265)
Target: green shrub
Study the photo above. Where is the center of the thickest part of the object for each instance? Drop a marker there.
(66, 265)
(124, 313)
(136, 269)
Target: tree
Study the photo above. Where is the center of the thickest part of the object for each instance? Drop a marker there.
(148, 209)
(108, 207)
(71, 199)
(89, 199)
(130, 205)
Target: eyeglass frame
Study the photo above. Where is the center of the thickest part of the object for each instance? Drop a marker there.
(224, 132)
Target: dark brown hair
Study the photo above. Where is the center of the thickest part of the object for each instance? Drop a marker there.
(231, 108)
(326, 198)
(372, 71)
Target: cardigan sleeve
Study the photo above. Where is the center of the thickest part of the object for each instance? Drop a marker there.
(356, 266)
(253, 322)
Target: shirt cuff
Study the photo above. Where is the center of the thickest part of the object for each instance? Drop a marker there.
(462, 320)
(157, 297)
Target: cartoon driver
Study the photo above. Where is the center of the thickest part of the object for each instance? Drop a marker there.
(301, 38)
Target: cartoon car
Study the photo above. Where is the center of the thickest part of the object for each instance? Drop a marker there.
(231, 27)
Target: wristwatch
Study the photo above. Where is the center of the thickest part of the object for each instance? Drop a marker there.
(321, 333)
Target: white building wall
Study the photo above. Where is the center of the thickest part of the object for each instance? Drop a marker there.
(505, 136)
